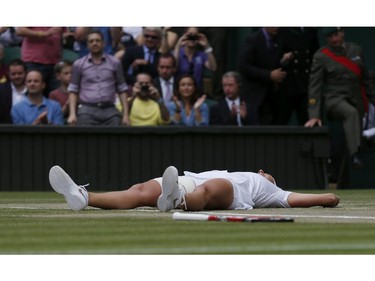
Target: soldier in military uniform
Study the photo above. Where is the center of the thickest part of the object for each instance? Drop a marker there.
(340, 82)
(303, 42)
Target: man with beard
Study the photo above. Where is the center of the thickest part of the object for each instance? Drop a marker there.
(96, 79)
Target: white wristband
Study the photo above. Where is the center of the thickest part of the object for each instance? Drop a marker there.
(208, 50)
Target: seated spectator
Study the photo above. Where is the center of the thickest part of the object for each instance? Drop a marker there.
(13, 91)
(146, 106)
(193, 54)
(368, 131)
(144, 58)
(63, 71)
(164, 82)
(231, 110)
(3, 66)
(187, 108)
(35, 109)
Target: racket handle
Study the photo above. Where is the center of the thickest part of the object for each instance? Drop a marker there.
(192, 217)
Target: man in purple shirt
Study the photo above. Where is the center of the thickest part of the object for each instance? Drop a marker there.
(96, 79)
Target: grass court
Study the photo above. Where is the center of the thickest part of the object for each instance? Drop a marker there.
(42, 223)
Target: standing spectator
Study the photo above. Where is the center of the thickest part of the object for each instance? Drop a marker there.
(188, 108)
(3, 67)
(96, 78)
(63, 71)
(164, 82)
(260, 65)
(36, 109)
(146, 106)
(303, 42)
(194, 54)
(41, 49)
(168, 40)
(13, 91)
(231, 110)
(144, 58)
(130, 36)
(340, 77)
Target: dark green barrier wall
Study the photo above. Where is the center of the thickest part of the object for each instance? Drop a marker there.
(114, 158)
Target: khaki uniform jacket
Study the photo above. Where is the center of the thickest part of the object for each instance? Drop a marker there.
(330, 82)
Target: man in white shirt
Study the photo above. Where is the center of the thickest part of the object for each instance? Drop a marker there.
(231, 110)
(165, 80)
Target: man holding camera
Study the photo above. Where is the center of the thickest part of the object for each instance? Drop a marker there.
(147, 107)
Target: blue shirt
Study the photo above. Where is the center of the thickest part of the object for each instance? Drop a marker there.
(25, 112)
(189, 120)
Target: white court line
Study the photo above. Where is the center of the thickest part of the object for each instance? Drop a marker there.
(151, 210)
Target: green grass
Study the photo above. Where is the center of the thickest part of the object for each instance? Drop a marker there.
(41, 223)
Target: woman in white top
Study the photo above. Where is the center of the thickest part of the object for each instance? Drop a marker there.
(212, 190)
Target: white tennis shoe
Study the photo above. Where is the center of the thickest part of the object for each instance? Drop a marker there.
(75, 195)
(172, 195)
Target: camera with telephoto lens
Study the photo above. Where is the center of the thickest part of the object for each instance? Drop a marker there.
(145, 88)
(192, 37)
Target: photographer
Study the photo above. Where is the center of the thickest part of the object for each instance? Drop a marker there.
(146, 106)
(193, 54)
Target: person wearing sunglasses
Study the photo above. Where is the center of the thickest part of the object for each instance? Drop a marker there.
(144, 58)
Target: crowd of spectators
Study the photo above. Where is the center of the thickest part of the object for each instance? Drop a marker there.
(164, 53)
(269, 85)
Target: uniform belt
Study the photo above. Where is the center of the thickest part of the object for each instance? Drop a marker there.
(99, 104)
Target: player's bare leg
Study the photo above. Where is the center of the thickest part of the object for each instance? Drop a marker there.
(214, 194)
(143, 194)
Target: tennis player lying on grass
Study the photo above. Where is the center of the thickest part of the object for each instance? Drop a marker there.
(212, 190)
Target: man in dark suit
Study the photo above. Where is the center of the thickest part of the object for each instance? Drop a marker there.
(164, 82)
(303, 42)
(231, 110)
(13, 90)
(260, 64)
(143, 59)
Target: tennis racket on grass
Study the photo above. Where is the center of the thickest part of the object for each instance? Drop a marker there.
(205, 217)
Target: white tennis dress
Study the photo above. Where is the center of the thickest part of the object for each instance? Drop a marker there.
(251, 190)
